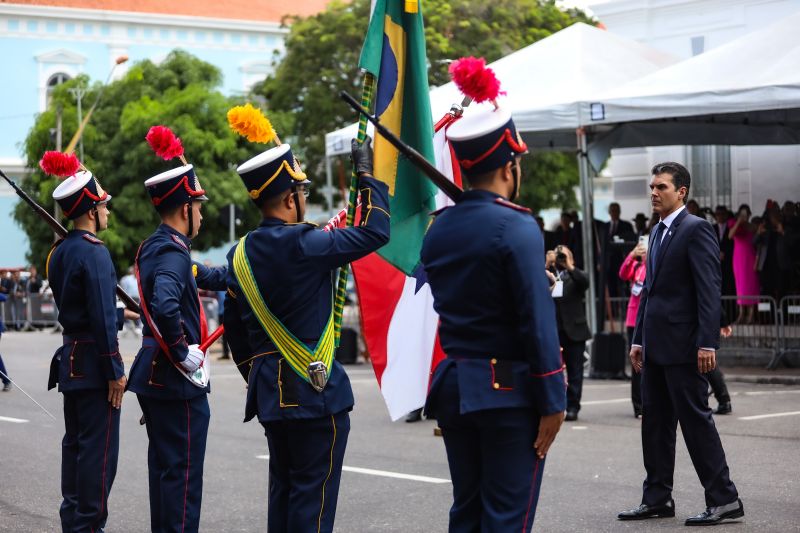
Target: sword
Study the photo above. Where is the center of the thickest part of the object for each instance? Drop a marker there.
(3, 374)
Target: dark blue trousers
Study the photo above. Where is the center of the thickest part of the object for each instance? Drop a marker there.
(89, 454)
(305, 467)
(496, 474)
(672, 394)
(177, 430)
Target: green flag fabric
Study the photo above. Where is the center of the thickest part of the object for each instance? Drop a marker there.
(394, 52)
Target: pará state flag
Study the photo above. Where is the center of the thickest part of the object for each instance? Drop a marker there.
(394, 52)
(399, 325)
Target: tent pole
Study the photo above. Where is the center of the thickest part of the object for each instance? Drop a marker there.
(587, 198)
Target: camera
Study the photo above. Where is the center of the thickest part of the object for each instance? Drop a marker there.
(561, 257)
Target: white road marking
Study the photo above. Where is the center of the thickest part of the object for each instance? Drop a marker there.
(772, 415)
(579, 427)
(13, 420)
(766, 392)
(602, 402)
(384, 473)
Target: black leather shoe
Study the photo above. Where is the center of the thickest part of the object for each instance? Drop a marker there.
(6, 386)
(571, 416)
(724, 409)
(414, 416)
(715, 515)
(665, 510)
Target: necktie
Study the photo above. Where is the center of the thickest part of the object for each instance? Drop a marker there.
(657, 243)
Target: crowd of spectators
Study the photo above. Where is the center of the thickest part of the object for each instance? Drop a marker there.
(759, 255)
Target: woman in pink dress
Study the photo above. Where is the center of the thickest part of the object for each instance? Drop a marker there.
(634, 269)
(744, 263)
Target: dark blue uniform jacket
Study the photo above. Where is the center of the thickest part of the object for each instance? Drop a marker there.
(169, 287)
(484, 259)
(83, 280)
(294, 266)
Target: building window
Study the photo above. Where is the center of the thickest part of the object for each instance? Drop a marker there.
(710, 167)
(54, 80)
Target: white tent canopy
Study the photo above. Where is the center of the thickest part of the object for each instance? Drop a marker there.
(746, 92)
(572, 65)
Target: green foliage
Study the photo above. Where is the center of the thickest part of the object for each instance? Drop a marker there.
(179, 93)
(549, 180)
(322, 54)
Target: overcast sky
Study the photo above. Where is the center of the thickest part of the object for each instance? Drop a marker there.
(583, 4)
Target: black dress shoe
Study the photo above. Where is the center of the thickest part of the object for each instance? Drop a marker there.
(715, 515)
(665, 510)
(724, 409)
(414, 416)
(571, 416)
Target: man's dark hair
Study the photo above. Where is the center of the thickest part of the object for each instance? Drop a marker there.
(479, 180)
(170, 211)
(679, 173)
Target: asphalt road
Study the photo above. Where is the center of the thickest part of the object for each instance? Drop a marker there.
(396, 475)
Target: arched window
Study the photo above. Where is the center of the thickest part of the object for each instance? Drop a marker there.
(56, 79)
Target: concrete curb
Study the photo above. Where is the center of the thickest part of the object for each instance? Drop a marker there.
(763, 380)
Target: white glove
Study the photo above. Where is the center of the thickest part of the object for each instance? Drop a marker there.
(193, 358)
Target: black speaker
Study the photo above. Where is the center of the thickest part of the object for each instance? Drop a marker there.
(608, 356)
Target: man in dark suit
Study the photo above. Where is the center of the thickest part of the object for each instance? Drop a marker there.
(569, 285)
(615, 231)
(722, 215)
(674, 344)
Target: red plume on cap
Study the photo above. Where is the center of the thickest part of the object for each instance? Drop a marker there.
(59, 164)
(474, 79)
(164, 143)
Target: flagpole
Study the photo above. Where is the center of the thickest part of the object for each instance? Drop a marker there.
(341, 289)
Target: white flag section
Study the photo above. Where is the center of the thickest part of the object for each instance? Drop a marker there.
(409, 350)
(399, 323)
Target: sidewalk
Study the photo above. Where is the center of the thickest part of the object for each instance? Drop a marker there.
(750, 374)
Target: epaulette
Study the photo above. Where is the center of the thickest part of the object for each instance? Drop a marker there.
(92, 239)
(194, 270)
(439, 211)
(179, 241)
(512, 205)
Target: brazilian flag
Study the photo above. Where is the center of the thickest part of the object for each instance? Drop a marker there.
(394, 52)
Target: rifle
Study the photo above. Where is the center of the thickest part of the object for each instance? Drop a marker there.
(62, 232)
(440, 180)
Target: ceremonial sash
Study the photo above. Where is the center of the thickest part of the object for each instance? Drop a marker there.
(297, 354)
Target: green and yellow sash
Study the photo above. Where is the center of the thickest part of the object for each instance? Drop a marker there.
(296, 353)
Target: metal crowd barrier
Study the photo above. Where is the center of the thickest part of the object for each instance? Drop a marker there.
(35, 311)
(772, 334)
(754, 338)
(789, 331)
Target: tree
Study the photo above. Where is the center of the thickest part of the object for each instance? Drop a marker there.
(322, 54)
(179, 93)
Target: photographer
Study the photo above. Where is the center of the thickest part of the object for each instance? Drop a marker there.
(568, 287)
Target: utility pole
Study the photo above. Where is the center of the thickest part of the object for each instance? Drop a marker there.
(231, 222)
(57, 210)
(78, 93)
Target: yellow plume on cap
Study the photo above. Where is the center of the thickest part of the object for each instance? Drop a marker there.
(250, 122)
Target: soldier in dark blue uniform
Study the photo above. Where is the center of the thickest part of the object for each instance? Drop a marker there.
(499, 396)
(87, 367)
(279, 322)
(175, 407)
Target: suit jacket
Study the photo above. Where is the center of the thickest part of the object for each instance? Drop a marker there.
(680, 306)
(294, 267)
(83, 280)
(497, 319)
(169, 281)
(570, 308)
